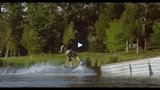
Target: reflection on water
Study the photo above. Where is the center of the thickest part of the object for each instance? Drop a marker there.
(76, 81)
(94, 81)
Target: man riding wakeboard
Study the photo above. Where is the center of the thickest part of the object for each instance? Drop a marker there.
(69, 53)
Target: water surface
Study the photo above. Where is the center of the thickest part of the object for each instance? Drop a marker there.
(48, 75)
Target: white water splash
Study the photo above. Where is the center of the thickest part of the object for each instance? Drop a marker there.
(47, 68)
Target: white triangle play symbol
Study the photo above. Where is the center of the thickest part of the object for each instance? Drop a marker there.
(79, 45)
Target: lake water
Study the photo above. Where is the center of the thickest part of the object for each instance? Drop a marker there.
(48, 75)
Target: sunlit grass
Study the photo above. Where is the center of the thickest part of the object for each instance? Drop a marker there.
(30, 60)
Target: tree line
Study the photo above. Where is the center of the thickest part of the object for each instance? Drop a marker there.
(34, 28)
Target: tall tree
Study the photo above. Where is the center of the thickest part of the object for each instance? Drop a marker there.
(83, 16)
(13, 20)
(108, 12)
(32, 38)
(150, 14)
(69, 33)
(47, 21)
(115, 39)
(155, 36)
(131, 23)
(2, 29)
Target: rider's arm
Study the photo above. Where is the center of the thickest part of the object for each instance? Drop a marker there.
(61, 49)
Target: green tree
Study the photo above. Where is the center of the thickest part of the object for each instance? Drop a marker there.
(2, 37)
(137, 22)
(2, 29)
(130, 22)
(68, 33)
(13, 18)
(48, 22)
(57, 24)
(115, 39)
(32, 42)
(108, 12)
(151, 13)
(32, 38)
(93, 47)
(83, 15)
(155, 36)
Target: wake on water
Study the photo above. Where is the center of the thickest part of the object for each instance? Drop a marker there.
(47, 68)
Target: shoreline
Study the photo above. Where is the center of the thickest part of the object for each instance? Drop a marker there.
(90, 59)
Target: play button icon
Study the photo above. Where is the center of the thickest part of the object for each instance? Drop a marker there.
(80, 45)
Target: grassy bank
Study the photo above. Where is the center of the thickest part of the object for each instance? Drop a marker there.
(91, 59)
(30, 60)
